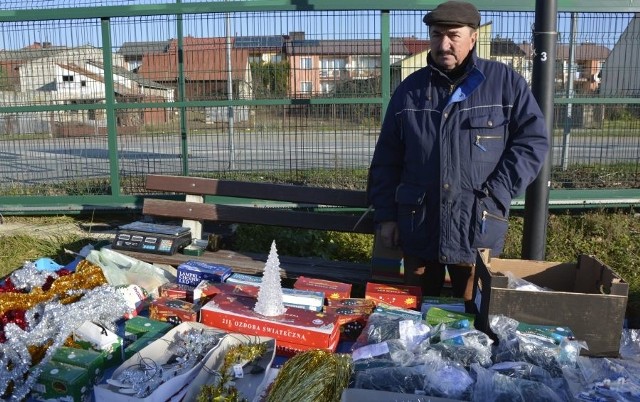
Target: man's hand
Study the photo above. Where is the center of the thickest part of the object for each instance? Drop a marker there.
(389, 234)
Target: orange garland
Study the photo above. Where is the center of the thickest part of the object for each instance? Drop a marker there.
(86, 276)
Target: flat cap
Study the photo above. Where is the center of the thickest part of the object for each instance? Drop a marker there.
(454, 13)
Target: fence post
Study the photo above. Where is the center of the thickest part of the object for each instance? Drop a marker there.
(534, 238)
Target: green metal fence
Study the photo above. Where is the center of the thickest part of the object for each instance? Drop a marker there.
(94, 96)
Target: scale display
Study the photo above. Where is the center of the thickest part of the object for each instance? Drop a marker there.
(151, 238)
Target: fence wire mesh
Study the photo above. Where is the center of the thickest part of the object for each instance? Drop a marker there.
(253, 93)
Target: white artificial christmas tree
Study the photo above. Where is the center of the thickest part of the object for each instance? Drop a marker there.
(270, 294)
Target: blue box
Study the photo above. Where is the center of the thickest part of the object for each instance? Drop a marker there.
(299, 298)
(192, 272)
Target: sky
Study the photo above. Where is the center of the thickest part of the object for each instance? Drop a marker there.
(601, 28)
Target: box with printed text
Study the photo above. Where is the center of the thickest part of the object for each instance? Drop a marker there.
(397, 295)
(331, 289)
(300, 328)
(192, 272)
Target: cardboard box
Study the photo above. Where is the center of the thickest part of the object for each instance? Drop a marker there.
(192, 272)
(139, 326)
(351, 320)
(60, 381)
(331, 289)
(206, 290)
(248, 385)
(178, 291)
(160, 354)
(299, 298)
(303, 328)
(92, 336)
(173, 311)
(141, 343)
(587, 296)
(445, 303)
(90, 360)
(397, 295)
(352, 302)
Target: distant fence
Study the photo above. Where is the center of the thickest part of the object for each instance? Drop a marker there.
(94, 96)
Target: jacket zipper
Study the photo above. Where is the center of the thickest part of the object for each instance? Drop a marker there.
(486, 214)
(484, 137)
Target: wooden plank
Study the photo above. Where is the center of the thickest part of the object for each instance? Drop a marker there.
(263, 191)
(260, 216)
(253, 263)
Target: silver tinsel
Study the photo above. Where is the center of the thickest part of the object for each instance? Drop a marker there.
(186, 349)
(52, 321)
(29, 277)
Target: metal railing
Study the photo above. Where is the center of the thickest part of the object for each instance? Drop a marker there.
(94, 96)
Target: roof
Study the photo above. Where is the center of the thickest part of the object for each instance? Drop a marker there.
(200, 64)
(583, 51)
(119, 88)
(505, 47)
(123, 72)
(140, 48)
(348, 47)
(272, 42)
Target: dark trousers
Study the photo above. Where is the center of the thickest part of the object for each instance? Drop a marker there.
(429, 276)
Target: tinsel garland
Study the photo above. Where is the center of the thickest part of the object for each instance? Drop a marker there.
(87, 276)
(315, 375)
(46, 317)
(223, 390)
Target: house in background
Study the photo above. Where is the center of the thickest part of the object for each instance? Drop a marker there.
(205, 72)
(621, 71)
(318, 67)
(74, 76)
(508, 52)
(132, 52)
(589, 60)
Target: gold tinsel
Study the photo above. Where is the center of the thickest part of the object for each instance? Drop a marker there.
(223, 391)
(315, 375)
(86, 276)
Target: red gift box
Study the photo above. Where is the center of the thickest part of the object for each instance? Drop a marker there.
(331, 289)
(352, 302)
(178, 291)
(297, 328)
(206, 290)
(173, 311)
(397, 295)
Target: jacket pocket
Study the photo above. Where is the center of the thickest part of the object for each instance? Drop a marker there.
(488, 135)
(490, 225)
(411, 216)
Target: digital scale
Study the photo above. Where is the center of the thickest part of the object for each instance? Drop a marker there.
(151, 238)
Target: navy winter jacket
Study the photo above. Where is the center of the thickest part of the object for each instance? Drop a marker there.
(451, 156)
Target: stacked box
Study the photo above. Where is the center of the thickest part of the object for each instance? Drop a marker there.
(296, 329)
(352, 302)
(446, 303)
(139, 326)
(193, 272)
(436, 315)
(206, 290)
(587, 296)
(397, 295)
(140, 343)
(178, 291)
(60, 381)
(90, 360)
(92, 336)
(352, 319)
(173, 311)
(331, 289)
(307, 299)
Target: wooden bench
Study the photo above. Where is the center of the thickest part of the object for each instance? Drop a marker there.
(282, 205)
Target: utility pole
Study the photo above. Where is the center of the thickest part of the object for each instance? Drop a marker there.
(534, 238)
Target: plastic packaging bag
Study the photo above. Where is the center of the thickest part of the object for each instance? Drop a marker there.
(630, 344)
(520, 284)
(120, 269)
(493, 386)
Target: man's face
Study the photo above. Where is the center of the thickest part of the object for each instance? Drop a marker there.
(451, 45)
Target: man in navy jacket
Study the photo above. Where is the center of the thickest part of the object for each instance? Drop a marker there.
(460, 139)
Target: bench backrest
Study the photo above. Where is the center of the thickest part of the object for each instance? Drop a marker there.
(310, 199)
